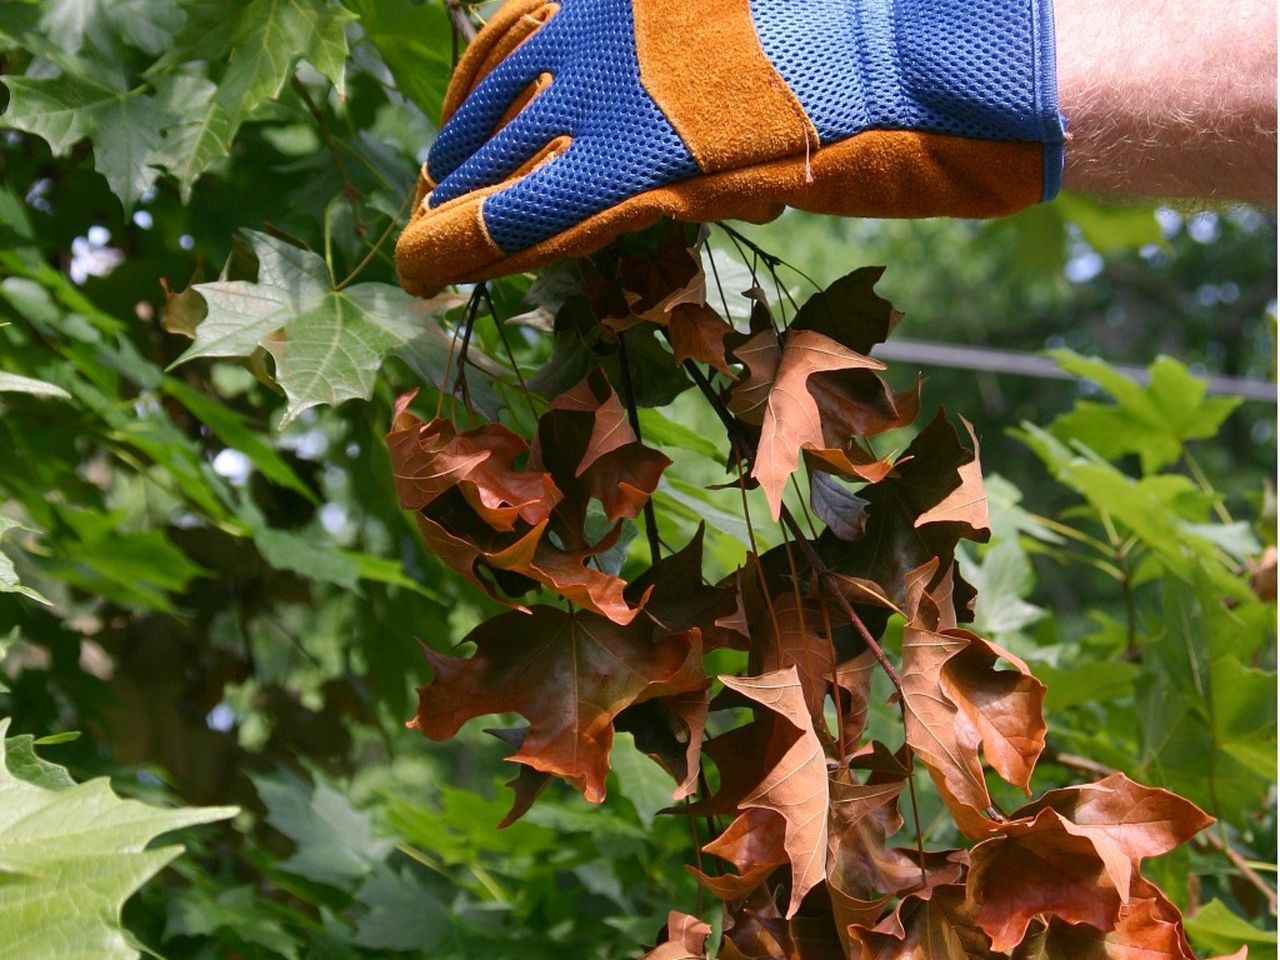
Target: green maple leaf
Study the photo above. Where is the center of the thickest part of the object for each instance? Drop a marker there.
(269, 38)
(9, 580)
(201, 134)
(125, 126)
(1152, 421)
(328, 343)
(69, 858)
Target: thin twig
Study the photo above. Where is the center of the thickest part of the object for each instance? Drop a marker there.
(335, 150)
(373, 251)
(462, 24)
(633, 416)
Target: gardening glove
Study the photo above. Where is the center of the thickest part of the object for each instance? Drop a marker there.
(570, 123)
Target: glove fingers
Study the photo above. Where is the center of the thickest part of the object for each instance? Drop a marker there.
(512, 25)
(492, 99)
(506, 153)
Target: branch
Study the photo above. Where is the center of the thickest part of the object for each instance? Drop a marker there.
(633, 417)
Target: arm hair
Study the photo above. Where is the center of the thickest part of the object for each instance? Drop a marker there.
(1169, 98)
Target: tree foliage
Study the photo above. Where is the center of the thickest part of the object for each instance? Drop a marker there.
(778, 671)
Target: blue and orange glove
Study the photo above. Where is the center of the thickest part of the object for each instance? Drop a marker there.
(569, 123)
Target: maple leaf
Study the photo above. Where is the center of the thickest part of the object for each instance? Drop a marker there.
(791, 419)
(669, 730)
(955, 701)
(588, 447)
(795, 786)
(328, 343)
(430, 458)
(1037, 867)
(686, 936)
(934, 924)
(934, 470)
(753, 844)
(679, 598)
(1147, 927)
(698, 333)
(1126, 821)
(850, 312)
(478, 512)
(654, 282)
(568, 674)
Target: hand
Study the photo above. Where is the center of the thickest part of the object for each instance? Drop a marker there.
(568, 124)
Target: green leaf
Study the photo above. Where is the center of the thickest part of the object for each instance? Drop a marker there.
(237, 910)
(69, 858)
(402, 914)
(9, 581)
(1154, 421)
(335, 841)
(640, 779)
(1216, 930)
(1208, 721)
(1004, 580)
(1109, 227)
(656, 428)
(16, 383)
(124, 126)
(290, 551)
(231, 429)
(269, 38)
(328, 344)
(25, 764)
(200, 135)
(414, 40)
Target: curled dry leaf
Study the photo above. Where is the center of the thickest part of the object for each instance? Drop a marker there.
(686, 939)
(956, 701)
(568, 674)
(490, 520)
(1038, 868)
(792, 418)
(795, 786)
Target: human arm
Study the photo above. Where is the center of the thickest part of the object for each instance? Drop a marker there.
(1169, 98)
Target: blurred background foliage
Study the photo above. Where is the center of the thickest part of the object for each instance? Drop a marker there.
(226, 607)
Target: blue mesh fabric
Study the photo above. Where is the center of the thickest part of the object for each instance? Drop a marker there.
(622, 142)
(962, 67)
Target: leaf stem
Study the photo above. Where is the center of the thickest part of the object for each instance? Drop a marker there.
(633, 417)
(373, 251)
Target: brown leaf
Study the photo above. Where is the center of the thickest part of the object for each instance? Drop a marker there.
(587, 446)
(850, 311)
(698, 333)
(792, 420)
(655, 282)
(795, 787)
(526, 784)
(1035, 868)
(1149, 927)
(934, 924)
(669, 729)
(762, 355)
(753, 843)
(924, 476)
(956, 701)
(568, 674)
(967, 503)
(429, 459)
(1127, 821)
(686, 937)
(679, 598)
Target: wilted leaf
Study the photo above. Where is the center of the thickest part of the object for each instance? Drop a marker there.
(568, 674)
(795, 786)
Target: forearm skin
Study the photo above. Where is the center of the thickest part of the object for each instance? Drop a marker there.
(1169, 98)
